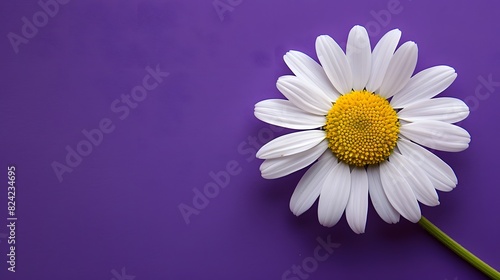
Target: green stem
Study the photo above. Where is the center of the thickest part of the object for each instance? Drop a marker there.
(458, 249)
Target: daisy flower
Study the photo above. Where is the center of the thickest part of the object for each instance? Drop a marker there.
(364, 122)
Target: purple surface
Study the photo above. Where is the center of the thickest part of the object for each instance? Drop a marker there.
(116, 215)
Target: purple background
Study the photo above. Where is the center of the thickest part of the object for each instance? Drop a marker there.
(119, 207)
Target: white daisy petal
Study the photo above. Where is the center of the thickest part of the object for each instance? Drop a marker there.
(283, 113)
(357, 205)
(291, 144)
(309, 70)
(310, 185)
(381, 57)
(440, 173)
(445, 109)
(399, 192)
(379, 199)
(334, 195)
(279, 167)
(440, 183)
(417, 179)
(400, 69)
(359, 55)
(424, 85)
(335, 63)
(304, 95)
(437, 135)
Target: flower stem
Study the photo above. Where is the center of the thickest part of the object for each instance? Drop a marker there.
(458, 249)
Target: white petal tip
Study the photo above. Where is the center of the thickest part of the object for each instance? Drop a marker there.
(298, 212)
(357, 28)
(264, 171)
(282, 79)
(395, 32)
(288, 54)
(296, 209)
(391, 220)
(461, 148)
(432, 203)
(326, 224)
(259, 155)
(411, 45)
(323, 39)
(358, 230)
(414, 219)
(267, 176)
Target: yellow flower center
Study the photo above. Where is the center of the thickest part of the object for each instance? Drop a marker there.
(362, 128)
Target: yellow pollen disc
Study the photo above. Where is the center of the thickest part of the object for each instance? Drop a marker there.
(362, 128)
